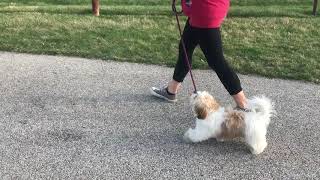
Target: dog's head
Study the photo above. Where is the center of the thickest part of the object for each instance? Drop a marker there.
(203, 103)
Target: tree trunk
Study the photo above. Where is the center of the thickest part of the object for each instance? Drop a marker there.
(315, 5)
(95, 7)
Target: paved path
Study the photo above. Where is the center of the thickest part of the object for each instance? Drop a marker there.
(73, 118)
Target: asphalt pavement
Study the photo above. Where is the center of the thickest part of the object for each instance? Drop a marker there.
(75, 118)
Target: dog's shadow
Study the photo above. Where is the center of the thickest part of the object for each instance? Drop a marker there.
(133, 98)
(161, 139)
(210, 145)
(226, 147)
(173, 142)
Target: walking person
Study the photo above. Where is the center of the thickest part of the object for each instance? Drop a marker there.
(203, 28)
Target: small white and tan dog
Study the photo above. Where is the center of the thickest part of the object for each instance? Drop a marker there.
(214, 121)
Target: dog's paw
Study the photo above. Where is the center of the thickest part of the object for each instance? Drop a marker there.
(258, 149)
(186, 137)
(220, 139)
(255, 151)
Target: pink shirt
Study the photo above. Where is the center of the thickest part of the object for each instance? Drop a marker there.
(206, 13)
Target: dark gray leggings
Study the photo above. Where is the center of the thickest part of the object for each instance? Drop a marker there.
(210, 43)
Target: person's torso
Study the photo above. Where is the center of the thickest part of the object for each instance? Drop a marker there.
(208, 13)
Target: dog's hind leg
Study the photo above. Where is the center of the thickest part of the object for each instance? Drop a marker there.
(257, 145)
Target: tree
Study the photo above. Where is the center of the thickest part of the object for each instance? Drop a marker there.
(315, 5)
(96, 7)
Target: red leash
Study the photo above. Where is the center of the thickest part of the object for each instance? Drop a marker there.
(183, 45)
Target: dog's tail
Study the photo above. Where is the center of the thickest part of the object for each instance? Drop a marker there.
(263, 105)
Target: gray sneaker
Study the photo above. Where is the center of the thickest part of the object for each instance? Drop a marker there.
(163, 94)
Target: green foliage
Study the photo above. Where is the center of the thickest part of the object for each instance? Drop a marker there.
(280, 39)
(85, 2)
(153, 2)
(270, 2)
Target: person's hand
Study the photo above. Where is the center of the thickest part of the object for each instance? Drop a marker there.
(188, 3)
(186, 7)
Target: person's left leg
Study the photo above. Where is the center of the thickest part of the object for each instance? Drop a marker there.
(240, 99)
(211, 46)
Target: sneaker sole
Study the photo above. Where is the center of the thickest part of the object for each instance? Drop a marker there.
(162, 97)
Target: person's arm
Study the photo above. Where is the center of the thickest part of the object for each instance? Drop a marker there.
(186, 7)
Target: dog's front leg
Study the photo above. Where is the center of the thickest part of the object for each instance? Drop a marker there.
(196, 135)
(220, 139)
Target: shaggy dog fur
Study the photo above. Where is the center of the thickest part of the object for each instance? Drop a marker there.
(214, 121)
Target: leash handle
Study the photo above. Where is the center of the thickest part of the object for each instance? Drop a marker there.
(174, 9)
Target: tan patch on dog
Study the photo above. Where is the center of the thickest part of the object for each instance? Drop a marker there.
(233, 126)
(205, 105)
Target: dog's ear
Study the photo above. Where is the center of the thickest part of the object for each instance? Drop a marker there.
(201, 112)
(213, 105)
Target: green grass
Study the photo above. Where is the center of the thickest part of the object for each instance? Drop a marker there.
(150, 2)
(268, 38)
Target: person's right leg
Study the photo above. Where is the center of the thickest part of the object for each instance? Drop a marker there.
(174, 86)
(181, 68)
